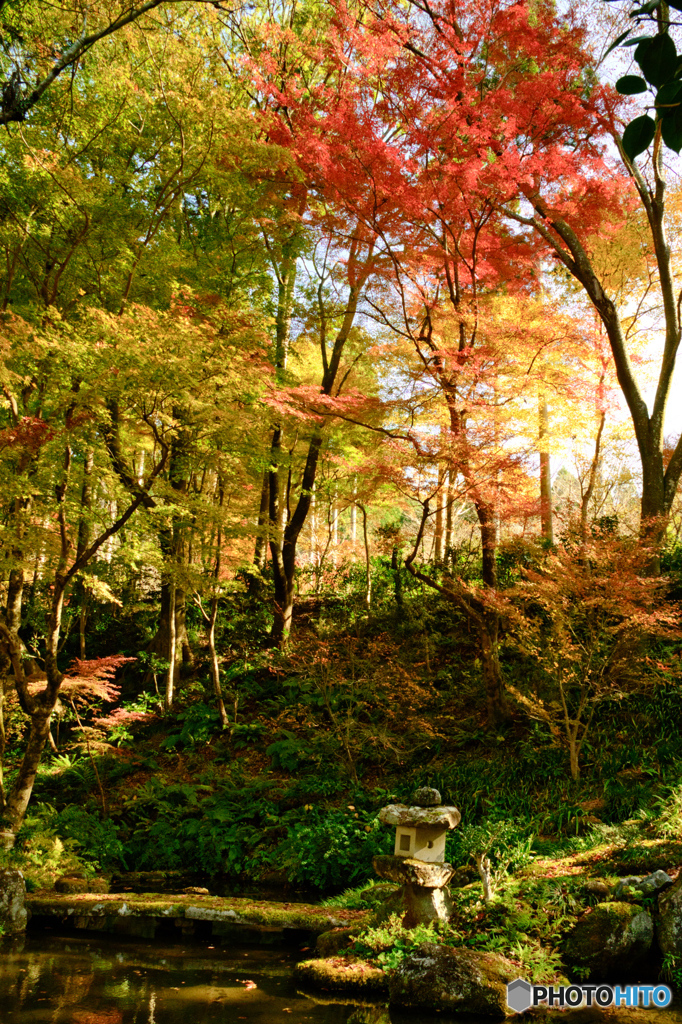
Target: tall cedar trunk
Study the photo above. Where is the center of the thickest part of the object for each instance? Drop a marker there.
(215, 666)
(211, 619)
(545, 472)
(172, 647)
(3, 740)
(159, 645)
(261, 552)
(174, 545)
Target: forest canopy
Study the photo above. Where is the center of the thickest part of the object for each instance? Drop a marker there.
(334, 331)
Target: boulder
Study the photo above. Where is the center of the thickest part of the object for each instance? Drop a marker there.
(13, 914)
(654, 883)
(74, 884)
(341, 974)
(329, 943)
(609, 939)
(440, 978)
(7, 839)
(635, 887)
(669, 919)
(597, 887)
(631, 882)
(464, 875)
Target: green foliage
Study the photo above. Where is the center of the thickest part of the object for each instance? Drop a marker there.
(508, 841)
(245, 734)
(41, 852)
(198, 724)
(333, 848)
(659, 63)
(287, 752)
(671, 970)
(96, 839)
(639, 135)
(388, 944)
(495, 847)
(361, 897)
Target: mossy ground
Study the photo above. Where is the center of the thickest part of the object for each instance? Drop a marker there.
(346, 974)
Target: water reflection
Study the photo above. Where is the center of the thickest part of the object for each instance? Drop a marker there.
(74, 980)
(85, 981)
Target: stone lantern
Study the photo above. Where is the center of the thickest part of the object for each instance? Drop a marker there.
(418, 861)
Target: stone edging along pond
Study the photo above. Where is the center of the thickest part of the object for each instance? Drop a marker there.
(152, 915)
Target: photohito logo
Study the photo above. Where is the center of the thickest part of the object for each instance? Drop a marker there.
(521, 995)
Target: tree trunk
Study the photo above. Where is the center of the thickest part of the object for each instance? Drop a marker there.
(438, 548)
(284, 606)
(574, 755)
(172, 648)
(23, 786)
(449, 517)
(354, 520)
(592, 479)
(215, 666)
(483, 868)
(368, 561)
(3, 740)
(489, 535)
(160, 644)
(545, 472)
(261, 552)
(397, 577)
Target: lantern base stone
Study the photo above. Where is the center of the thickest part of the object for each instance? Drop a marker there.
(423, 894)
(422, 906)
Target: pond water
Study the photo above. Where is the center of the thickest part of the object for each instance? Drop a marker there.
(85, 980)
(74, 980)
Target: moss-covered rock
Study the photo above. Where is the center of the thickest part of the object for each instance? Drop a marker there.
(13, 914)
(454, 980)
(73, 884)
(669, 921)
(218, 909)
(342, 974)
(329, 943)
(610, 937)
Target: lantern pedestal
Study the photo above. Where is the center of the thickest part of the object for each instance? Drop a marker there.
(423, 887)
